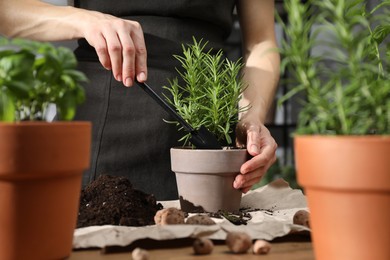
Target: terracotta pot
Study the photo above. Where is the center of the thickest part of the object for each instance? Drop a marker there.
(41, 166)
(205, 178)
(347, 183)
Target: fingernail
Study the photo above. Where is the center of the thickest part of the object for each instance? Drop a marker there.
(141, 77)
(129, 82)
(235, 185)
(255, 149)
(119, 77)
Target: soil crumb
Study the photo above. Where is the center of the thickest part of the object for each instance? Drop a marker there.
(111, 200)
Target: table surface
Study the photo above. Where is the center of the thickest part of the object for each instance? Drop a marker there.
(279, 250)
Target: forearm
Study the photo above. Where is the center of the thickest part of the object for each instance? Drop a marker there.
(40, 21)
(261, 71)
(261, 75)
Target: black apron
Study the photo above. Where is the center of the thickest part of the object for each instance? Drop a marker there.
(129, 136)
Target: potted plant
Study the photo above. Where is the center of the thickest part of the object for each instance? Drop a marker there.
(41, 163)
(337, 58)
(208, 95)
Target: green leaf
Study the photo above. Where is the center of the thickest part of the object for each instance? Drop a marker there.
(20, 89)
(76, 75)
(381, 32)
(66, 58)
(384, 3)
(67, 107)
(17, 65)
(7, 108)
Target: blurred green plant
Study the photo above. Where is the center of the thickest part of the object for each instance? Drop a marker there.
(346, 87)
(34, 75)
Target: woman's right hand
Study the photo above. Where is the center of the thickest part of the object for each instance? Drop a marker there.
(119, 44)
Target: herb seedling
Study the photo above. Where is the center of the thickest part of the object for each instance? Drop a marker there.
(208, 92)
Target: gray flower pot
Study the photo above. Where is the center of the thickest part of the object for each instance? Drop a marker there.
(205, 178)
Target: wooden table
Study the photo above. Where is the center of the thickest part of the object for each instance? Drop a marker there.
(290, 250)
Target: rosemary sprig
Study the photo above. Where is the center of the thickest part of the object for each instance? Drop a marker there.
(337, 57)
(208, 90)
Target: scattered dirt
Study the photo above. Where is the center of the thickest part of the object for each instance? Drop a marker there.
(240, 217)
(111, 200)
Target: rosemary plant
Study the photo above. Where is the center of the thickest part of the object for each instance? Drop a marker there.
(346, 87)
(208, 92)
(34, 75)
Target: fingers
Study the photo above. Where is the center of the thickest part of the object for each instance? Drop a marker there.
(100, 45)
(120, 46)
(266, 156)
(134, 55)
(253, 142)
(262, 147)
(141, 55)
(114, 47)
(127, 64)
(247, 180)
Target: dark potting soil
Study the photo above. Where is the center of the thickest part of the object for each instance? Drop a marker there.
(112, 200)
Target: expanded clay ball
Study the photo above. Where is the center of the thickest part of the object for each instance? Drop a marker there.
(140, 254)
(261, 247)
(203, 246)
(169, 216)
(238, 242)
(302, 217)
(200, 220)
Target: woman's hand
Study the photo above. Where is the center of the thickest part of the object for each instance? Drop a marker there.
(261, 75)
(119, 44)
(261, 145)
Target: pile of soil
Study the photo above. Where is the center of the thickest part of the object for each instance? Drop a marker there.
(111, 200)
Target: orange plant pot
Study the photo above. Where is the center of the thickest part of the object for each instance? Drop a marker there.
(41, 166)
(347, 183)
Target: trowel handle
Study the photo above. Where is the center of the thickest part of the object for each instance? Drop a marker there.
(165, 105)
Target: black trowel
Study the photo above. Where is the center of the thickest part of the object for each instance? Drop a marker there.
(201, 138)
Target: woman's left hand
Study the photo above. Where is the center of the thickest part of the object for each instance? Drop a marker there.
(262, 147)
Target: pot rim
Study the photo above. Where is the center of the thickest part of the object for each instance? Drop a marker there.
(42, 123)
(343, 163)
(358, 137)
(194, 150)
